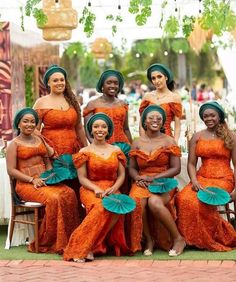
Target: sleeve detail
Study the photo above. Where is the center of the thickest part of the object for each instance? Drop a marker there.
(79, 159)
(122, 158)
(176, 108)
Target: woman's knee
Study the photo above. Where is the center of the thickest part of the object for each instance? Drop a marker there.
(155, 204)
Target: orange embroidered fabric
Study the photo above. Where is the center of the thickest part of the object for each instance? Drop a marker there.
(152, 164)
(59, 129)
(201, 224)
(61, 208)
(117, 115)
(172, 109)
(93, 233)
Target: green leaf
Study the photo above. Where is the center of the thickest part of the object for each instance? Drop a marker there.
(171, 27)
(88, 19)
(188, 25)
(180, 45)
(114, 29)
(40, 17)
(119, 19)
(30, 5)
(110, 17)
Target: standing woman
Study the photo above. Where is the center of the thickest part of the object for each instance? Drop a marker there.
(200, 223)
(27, 157)
(101, 171)
(110, 84)
(154, 155)
(59, 113)
(162, 78)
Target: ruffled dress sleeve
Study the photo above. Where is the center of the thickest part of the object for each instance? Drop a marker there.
(174, 150)
(122, 158)
(143, 105)
(80, 158)
(176, 109)
(87, 111)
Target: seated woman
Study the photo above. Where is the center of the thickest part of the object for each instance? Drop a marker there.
(154, 155)
(101, 171)
(27, 158)
(201, 224)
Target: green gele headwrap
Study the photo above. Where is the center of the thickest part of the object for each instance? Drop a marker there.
(103, 117)
(161, 68)
(215, 106)
(152, 108)
(107, 74)
(19, 115)
(52, 69)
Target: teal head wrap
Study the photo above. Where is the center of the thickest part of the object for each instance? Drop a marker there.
(107, 74)
(19, 115)
(215, 106)
(103, 117)
(161, 68)
(152, 108)
(52, 69)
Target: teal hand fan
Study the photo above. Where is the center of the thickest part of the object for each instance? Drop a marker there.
(118, 203)
(50, 177)
(64, 164)
(162, 185)
(125, 148)
(213, 196)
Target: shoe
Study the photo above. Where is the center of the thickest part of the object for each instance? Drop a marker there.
(78, 260)
(89, 257)
(173, 252)
(147, 252)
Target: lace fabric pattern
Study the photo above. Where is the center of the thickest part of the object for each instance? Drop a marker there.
(208, 230)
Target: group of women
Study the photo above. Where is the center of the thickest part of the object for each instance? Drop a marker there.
(169, 221)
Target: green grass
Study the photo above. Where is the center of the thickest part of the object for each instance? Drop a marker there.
(20, 253)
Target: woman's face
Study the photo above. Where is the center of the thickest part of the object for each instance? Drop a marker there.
(154, 121)
(27, 124)
(57, 83)
(211, 118)
(99, 130)
(111, 86)
(158, 80)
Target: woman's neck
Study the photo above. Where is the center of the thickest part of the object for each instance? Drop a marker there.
(56, 95)
(152, 135)
(99, 143)
(108, 98)
(26, 138)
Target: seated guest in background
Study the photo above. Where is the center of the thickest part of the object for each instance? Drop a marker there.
(162, 79)
(200, 223)
(101, 172)
(27, 157)
(154, 155)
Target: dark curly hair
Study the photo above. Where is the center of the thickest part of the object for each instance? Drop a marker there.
(71, 99)
(225, 134)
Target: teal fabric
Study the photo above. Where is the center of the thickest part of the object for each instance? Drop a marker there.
(19, 115)
(118, 203)
(107, 74)
(214, 106)
(213, 196)
(152, 108)
(103, 117)
(52, 69)
(162, 185)
(161, 68)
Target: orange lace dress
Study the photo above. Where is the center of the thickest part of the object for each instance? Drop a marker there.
(93, 233)
(152, 164)
(117, 115)
(59, 129)
(61, 210)
(172, 106)
(201, 224)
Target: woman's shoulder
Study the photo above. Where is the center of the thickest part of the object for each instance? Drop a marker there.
(148, 96)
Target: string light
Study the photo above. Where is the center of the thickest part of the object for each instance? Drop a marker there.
(89, 3)
(166, 53)
(176, 9)
(119, 6)
(200, 10)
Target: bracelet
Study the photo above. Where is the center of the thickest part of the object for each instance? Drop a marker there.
(31, 180)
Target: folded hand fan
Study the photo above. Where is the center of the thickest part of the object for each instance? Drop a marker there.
(162, 185)
(64, 164)
(119, 203)
(213, 196)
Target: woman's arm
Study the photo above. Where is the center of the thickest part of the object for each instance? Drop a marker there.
(126, 129)
(86, 118)
(85, 182)
(81, 134)
(11, 158)
(192, 163)
(177, 129)
(233, 193)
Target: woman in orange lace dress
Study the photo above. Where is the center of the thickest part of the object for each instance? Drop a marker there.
(154, 155)
(201, 224)
(59, 113)
(101, 172)
(27, 158)
(162, 78)
(110, 84)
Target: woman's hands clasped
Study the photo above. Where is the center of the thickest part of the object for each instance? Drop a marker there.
(196, 186)
(143, 180)
(38, 182)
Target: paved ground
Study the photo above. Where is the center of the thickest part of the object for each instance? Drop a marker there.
(118, 270)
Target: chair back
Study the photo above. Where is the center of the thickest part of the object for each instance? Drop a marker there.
(16, 201)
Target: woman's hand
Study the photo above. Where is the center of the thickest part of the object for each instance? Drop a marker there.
(109, 191)
(38, 182)
(233, 195)
(143, 180)
(196, 186)
(98, 192)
